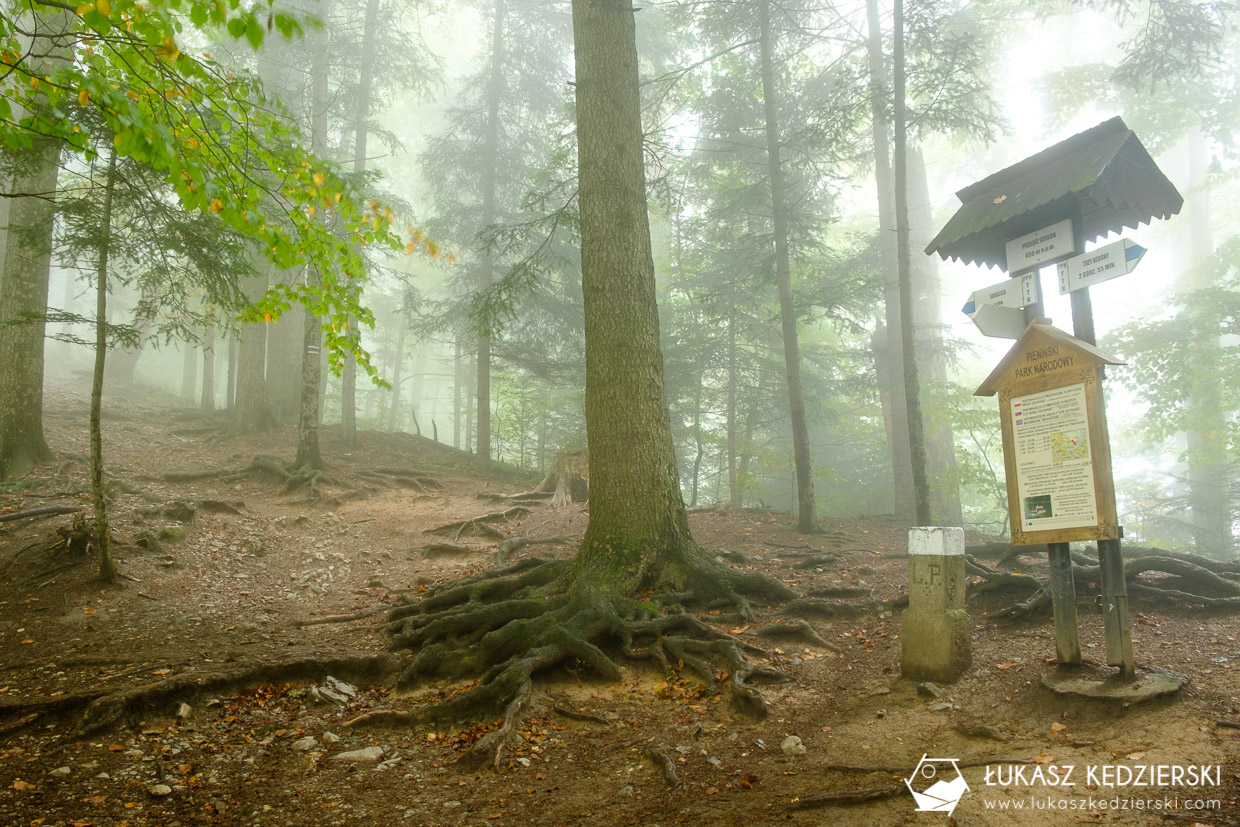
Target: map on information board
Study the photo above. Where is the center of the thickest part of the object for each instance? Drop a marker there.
(1066, 447)
(1054, 472)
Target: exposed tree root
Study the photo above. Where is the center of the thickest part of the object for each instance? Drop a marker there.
(346, 618)
(565, 708)
(846, 797)
(982, 731)
(513, 544)
(800, 631)
(492, 747)
(665, 765)
(506, 626)
(1180, 576)
(829, 609)
(452, 550)
(293, 479)
(41, 511)
(458, 527)
(524, 498)
(98, 710)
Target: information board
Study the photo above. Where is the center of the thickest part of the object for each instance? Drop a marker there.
(1056, 452)
(1054, 469)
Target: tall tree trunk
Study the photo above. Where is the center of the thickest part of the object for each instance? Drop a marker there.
(806, 517)
(348, 395)
(697, 428)
(207, 402)
(637, 516)
(103, 540)
(27, 267)
(23, 301)
(284, 351)
(252, 411)
(189, 371)
(234, 354)
(471, 379)
(734, 487)
(397, 364)
(1206, 450)
(895, 405)
(912, 386)
(456, 393)
(945, 505)
(486, 275)
(746, 451)
(308, 455)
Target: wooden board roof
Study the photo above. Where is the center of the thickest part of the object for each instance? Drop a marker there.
(1103, 176)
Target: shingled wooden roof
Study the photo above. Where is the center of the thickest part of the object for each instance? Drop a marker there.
(1103, 176)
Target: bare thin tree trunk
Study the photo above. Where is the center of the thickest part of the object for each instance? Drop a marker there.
(207, 402)
(456, 394)
(397, 364)
(189, 371)
(895, 405)
(308, 455)
(912, 385)
(806, 516)
(103, 540)
(734, 486)
(234, 348)
(348, 394)
(252, 410)
(495, 88)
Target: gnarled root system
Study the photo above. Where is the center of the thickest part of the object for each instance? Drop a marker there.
(506, 626)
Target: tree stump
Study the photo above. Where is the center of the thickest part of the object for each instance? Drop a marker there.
(569, 478)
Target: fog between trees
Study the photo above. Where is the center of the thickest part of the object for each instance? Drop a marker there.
(402, 182)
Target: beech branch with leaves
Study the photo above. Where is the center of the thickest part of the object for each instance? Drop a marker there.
(210, 131)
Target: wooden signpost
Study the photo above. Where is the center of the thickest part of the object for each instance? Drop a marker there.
(1057, 459)
(1035, 213)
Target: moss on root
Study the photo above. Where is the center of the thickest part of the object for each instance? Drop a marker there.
(504, 627)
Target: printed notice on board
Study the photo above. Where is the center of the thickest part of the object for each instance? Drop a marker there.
(1054, 469)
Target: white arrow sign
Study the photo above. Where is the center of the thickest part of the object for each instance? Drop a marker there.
(999, 322)
(1015, 292)
(1116, 259)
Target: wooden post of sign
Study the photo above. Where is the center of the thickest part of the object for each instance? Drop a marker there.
(1115, 606)
(1115, 619)
(1063, 603)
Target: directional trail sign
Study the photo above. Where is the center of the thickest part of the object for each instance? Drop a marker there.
(1116, 259)
(999, 322)
(1014, 292)
(996, 309)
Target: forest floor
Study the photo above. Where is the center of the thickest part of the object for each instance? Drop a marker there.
(245, 727)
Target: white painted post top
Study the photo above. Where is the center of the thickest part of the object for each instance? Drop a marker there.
(937, 541)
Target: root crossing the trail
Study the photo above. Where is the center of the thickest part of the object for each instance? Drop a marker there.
(506, 626)
(315, 481)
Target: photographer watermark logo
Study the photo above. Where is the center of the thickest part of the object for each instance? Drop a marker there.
(937, 785)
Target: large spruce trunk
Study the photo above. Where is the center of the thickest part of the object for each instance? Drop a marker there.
(636, 511)
(23, 301)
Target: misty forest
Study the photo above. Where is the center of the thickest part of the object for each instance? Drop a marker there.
(515, 411)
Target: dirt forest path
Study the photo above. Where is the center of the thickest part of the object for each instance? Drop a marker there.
(241, 578)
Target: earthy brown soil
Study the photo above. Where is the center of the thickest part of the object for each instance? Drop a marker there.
(227, 595)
